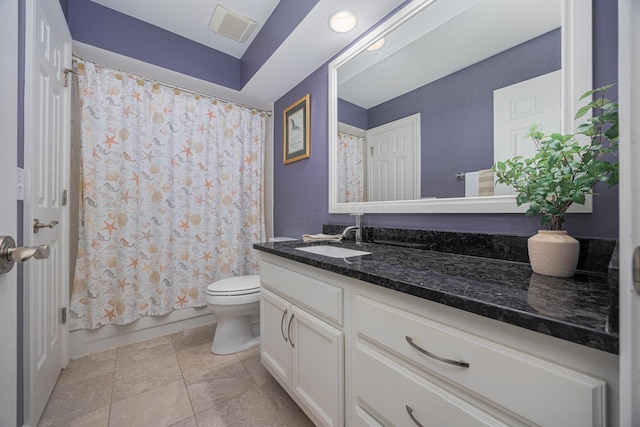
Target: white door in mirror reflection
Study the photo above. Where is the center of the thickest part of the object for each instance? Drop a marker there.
(394, 160)
(515, 109)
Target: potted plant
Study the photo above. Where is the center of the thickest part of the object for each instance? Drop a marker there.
(563, 171)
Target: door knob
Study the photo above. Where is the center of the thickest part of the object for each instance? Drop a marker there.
(9, 254)
(37, 225)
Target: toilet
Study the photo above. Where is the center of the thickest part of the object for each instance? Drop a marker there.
(236, 303)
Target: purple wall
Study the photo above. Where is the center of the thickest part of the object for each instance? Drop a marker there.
(300, 188)
(108, 29)
(352, 114)
(65, 8)
(301, 193)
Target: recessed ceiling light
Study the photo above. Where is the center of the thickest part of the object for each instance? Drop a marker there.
(342, 21)
(377, 45)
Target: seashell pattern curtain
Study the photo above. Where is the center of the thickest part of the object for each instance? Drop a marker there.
(350, 168)
(171, 197)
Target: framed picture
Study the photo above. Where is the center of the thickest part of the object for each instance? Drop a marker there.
(296, 131)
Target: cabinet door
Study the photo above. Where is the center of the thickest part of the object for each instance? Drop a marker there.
(275, 314)
(318, 367)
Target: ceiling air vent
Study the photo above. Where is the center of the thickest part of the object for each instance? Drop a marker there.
(232, 25)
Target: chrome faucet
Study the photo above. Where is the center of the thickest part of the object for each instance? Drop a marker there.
(357, 228)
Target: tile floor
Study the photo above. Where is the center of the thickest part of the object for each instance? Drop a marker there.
(173, 380)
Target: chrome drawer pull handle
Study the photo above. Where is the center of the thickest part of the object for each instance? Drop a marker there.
(441, 359)
(289, 329)
(282, 326)
(413, 418)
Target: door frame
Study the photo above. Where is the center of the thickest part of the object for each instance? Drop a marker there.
(9, 78)
(629, 205)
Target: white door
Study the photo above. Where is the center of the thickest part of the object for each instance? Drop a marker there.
(47, 119)
(8, 209)
(394, 160)
(629, 91)
(516, 108)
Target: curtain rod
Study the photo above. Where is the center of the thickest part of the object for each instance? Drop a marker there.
(170, 86)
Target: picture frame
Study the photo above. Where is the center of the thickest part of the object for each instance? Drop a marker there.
(295, 120)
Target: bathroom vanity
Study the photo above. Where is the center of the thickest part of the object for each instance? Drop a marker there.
(406, 336)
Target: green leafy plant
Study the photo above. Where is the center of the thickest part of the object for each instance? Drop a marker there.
(565, 168)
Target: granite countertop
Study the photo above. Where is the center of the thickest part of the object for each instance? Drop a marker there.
(574, 309)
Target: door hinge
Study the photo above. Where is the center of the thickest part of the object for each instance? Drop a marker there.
(64, 197)
(63, 312)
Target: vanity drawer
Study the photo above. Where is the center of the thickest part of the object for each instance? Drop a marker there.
(411, 396)
(539, 391)
(319, 297)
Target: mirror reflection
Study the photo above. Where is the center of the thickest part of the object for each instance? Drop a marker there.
(428, 108)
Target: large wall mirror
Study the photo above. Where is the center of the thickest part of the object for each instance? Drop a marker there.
(423, 106)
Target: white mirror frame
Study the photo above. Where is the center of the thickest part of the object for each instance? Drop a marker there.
(577, 69)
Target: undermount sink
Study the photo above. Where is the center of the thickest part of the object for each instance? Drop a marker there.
(333, 251)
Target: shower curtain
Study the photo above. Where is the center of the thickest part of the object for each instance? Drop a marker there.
(171, 197)
(350, 168)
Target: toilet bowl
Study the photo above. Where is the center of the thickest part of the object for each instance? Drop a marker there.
(236, 303)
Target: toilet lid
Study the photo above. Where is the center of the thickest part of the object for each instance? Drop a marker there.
(240, 285)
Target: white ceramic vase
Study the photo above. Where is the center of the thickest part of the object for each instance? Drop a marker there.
(553, 253)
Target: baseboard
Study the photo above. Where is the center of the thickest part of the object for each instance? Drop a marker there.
(85, 341)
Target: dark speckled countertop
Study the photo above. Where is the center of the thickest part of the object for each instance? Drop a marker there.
(574, 309)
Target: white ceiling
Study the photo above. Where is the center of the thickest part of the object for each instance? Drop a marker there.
(310, 45)
(190, 19)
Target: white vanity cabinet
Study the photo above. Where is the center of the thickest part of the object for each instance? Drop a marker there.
(352, 353)
(302, 340)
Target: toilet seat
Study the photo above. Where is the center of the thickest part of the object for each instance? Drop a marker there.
(235, 286)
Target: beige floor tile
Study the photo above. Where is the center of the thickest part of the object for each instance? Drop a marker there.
(92, 365)
(70, 400)
(142, 385)
(199, 358)
(248, 353)
(96, 418)
(193, 337)
(247, 409)
(251, 361)
(133, 378)
(136, 356)
(290, 412)
(144, 366)
(217, 384)
(142, 345)
(187, 422)
(159, 407)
